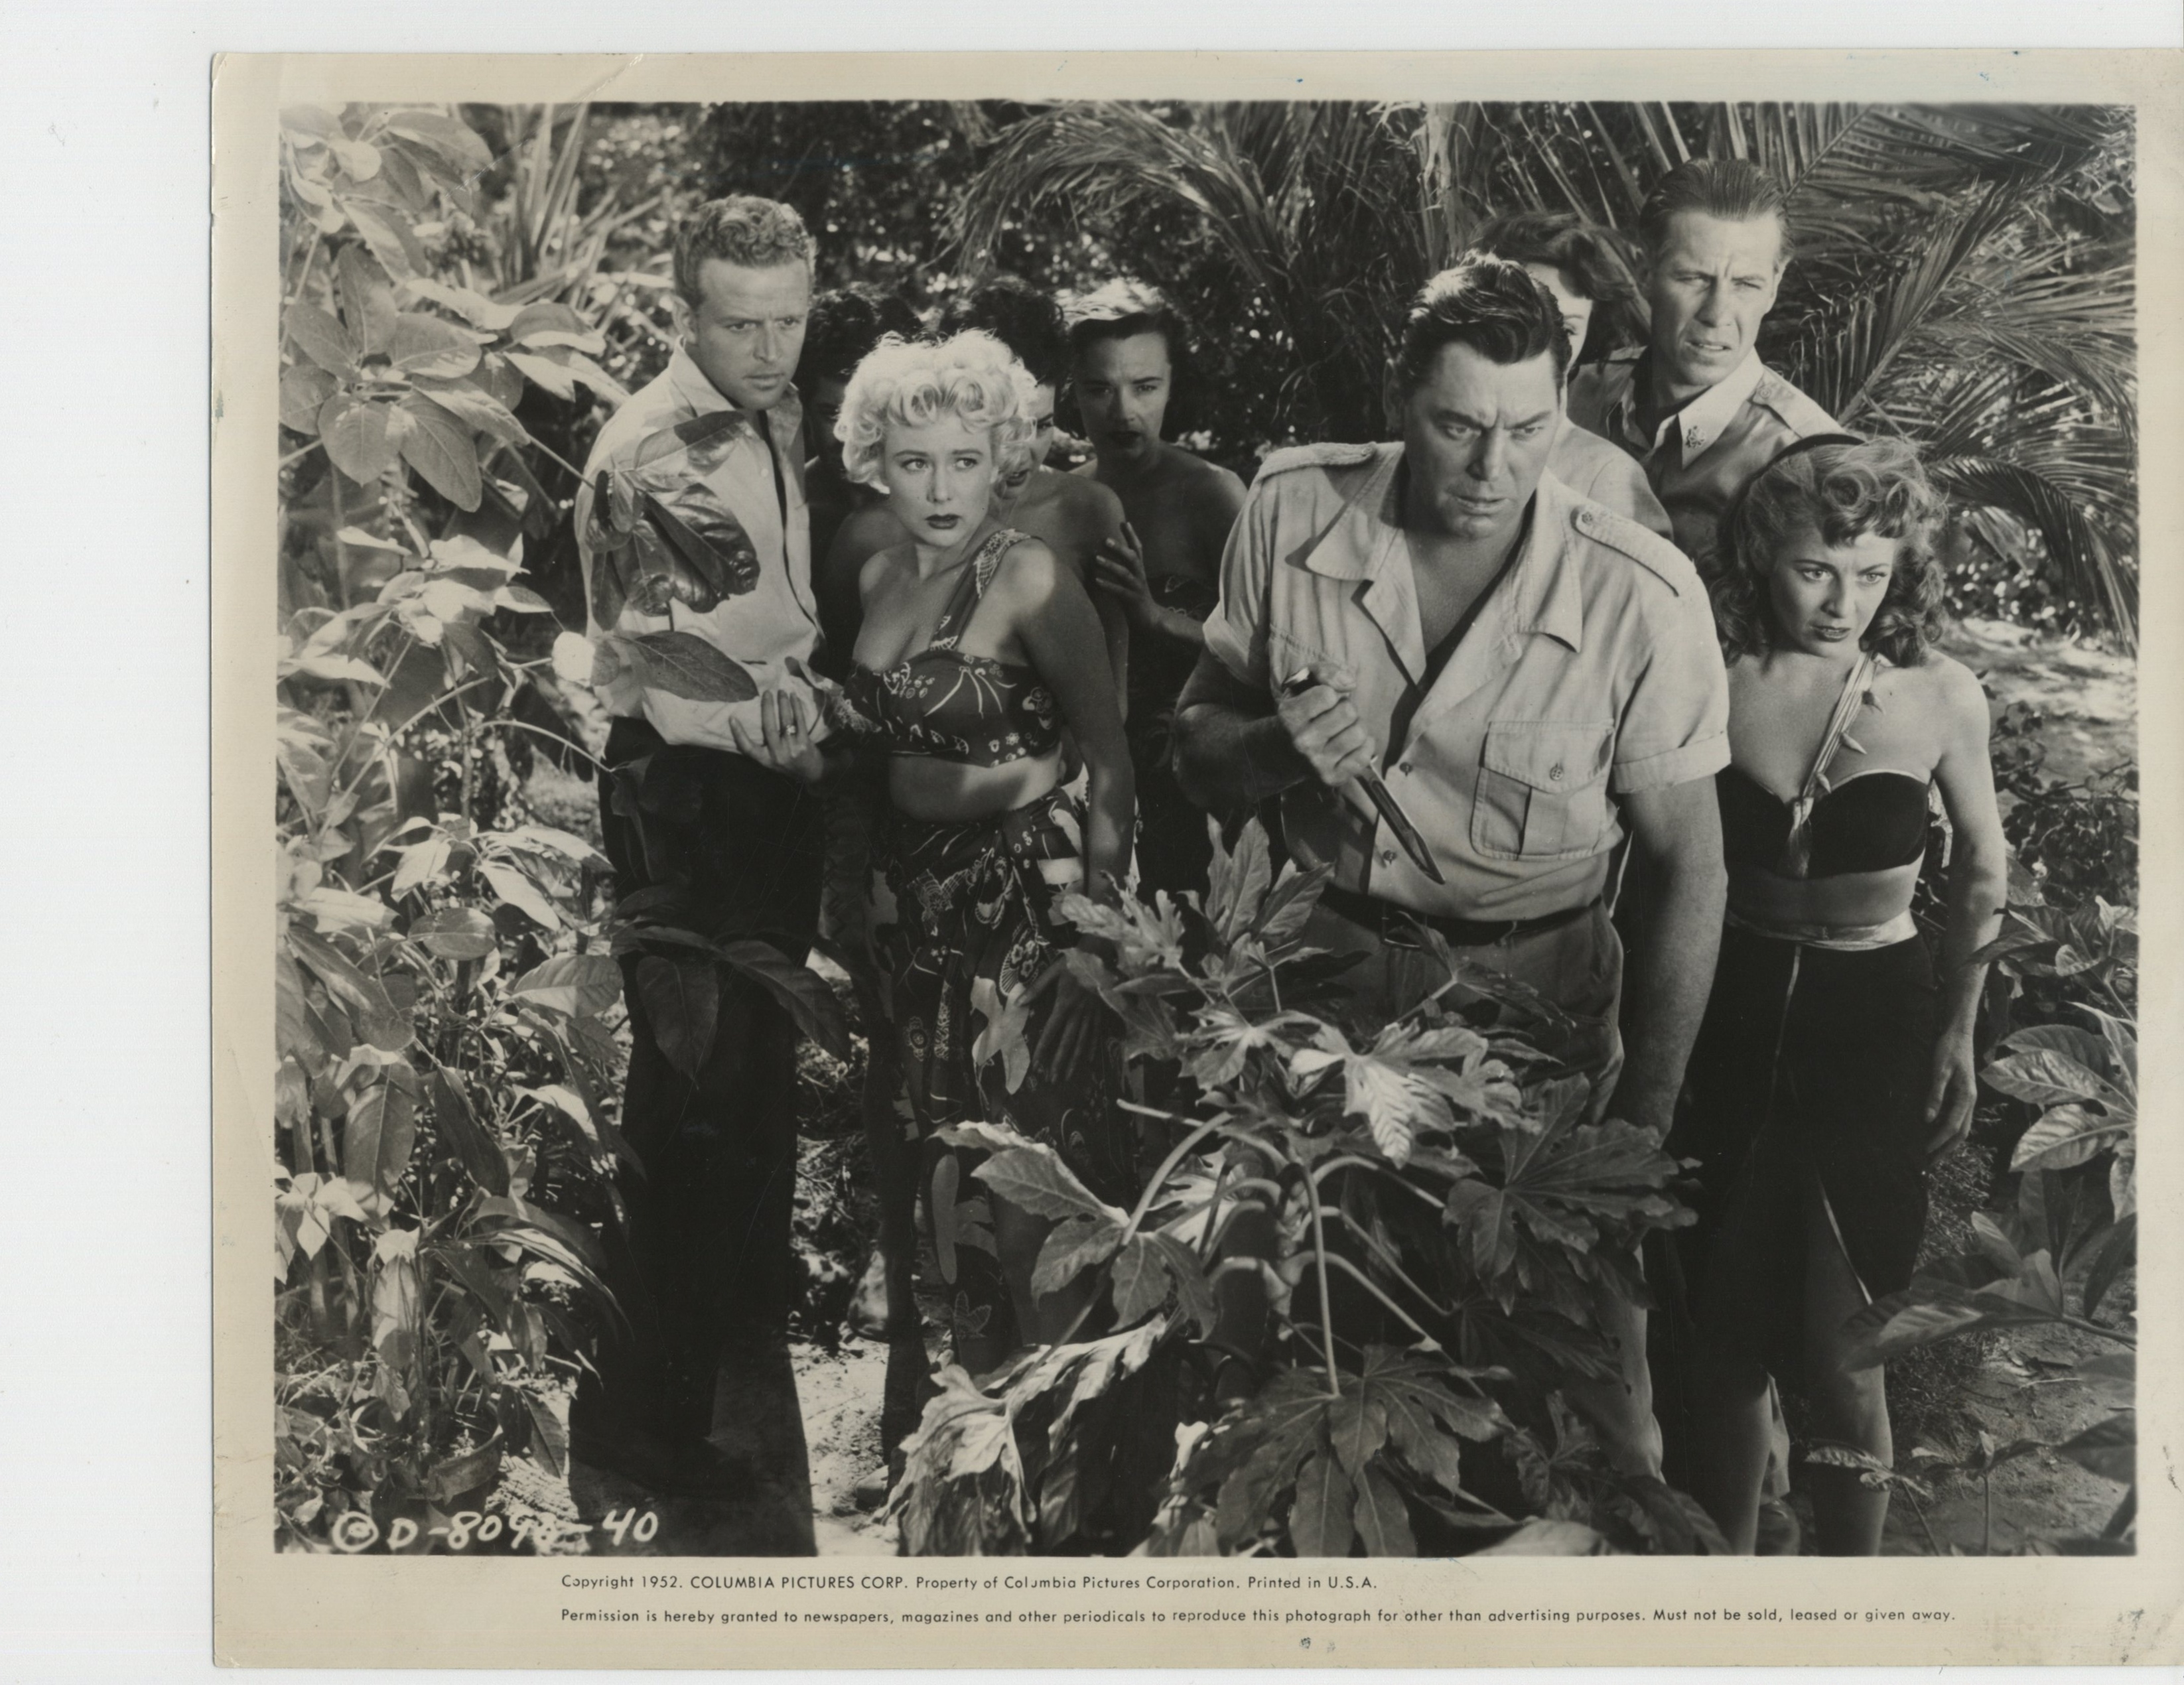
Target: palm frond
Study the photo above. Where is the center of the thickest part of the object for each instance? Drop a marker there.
(2075, 545)
(1839, 358)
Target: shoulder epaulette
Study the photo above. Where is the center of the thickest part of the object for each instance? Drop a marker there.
(1292, 457)
(1644, 546)
(1801, 413)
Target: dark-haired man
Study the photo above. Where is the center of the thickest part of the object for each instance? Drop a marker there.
(711, 803)
(1127, 348)
(1532, 675)
(1697, 407)
(1582, 268)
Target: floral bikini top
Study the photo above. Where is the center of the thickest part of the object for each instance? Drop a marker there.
(951, 706)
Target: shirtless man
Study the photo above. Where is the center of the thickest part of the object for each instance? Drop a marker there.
(1164, 567)
(1072, 516)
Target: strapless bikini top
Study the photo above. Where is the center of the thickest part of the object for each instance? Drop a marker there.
(1865, 824)
(1871, 821)
(971, 709)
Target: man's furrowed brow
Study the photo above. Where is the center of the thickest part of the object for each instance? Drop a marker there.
(1447, 413)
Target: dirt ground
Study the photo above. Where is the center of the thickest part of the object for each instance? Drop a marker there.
(2087, 695)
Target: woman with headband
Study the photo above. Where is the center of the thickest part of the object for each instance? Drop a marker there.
(1835, 1066)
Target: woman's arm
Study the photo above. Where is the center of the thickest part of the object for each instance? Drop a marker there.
(1056, 624)
(844, 576)
(1053, 620)
(1979, 884)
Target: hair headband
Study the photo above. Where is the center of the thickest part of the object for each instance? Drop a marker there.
(1734, 513)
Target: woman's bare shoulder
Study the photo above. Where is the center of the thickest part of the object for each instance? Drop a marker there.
(875, 567)
(1944, 685)
(1031, 566)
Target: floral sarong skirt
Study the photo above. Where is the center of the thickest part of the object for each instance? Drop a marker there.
(964, 922)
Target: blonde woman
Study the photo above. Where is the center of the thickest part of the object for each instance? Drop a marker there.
(975, 649)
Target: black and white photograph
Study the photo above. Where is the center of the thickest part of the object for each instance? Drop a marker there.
(1160, 827)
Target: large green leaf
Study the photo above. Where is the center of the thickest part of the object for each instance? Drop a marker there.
(474, 1147)
(457, 933)
(1383, 1522)
(475, 408)
(359, 434)
(450, 136)
(800, 989)
(1033, 1178)
(379, 1136)
(2110, 1449)
(578, 985)
(1321, 1516)
(1545, 1537)
(682, 998)
(2045, 1076)
(1072, 1247)
(440, 447)
(304, 390)
(427, 345)
(680, 662)
(2068, 1135)
(321, 339)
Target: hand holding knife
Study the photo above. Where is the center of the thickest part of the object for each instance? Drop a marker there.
(1377, 791)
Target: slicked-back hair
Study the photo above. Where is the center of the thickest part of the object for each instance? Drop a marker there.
(1734, 189)
(1026, 321)
(846, 323)
(1490, 304)
(1841, 490)
(1591, 259)
(744, 230)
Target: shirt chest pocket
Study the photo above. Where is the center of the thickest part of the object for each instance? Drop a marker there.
(1542, 790)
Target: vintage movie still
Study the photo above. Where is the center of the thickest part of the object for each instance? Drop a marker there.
(1378, 814)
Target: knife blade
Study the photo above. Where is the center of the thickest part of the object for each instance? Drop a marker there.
(1382, 797)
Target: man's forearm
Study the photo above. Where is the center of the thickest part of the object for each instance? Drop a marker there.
(1226, 758)
(1668, 987)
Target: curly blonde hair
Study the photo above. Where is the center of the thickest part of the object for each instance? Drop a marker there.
(911, 383)
(1841, 489)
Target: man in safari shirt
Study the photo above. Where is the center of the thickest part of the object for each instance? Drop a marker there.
(1696, 407)
(692, 518)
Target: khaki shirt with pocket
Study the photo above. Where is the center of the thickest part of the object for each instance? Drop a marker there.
(1700, 457)
(1590, 672)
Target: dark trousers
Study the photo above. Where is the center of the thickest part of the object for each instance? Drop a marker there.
(703, 1265)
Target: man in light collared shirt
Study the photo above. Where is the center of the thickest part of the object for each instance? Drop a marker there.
(1586, 275)
(692, 518)
(1543, 675)
(1697, 408)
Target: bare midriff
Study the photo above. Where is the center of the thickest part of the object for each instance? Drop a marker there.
(949, 793)
(1846, 900)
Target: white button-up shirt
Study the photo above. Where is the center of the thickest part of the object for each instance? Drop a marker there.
(744, 497)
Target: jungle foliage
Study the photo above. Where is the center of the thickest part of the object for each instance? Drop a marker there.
(467, 293)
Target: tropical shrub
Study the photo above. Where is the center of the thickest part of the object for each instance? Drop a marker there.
(2059, 1255)
(449, 976)
(1443, 1212)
